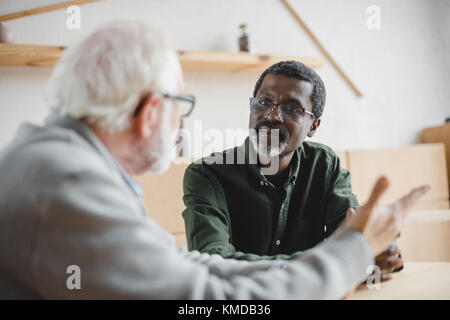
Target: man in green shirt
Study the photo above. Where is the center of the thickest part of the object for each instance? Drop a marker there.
(235, 209)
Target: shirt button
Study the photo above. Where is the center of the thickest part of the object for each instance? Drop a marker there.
(261, 183)
(278, 242)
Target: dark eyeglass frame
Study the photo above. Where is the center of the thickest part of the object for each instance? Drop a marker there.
(269, 108)
(186, 98)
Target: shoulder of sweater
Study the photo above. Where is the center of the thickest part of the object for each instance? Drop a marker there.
(318, 150)
(216, 161)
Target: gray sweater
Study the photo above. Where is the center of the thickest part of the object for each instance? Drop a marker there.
(63, 202)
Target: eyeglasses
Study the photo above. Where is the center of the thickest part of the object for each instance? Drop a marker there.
(185, 104)
(288, 113)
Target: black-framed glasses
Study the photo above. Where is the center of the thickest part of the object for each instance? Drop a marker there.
(185, 104)
(288, 113)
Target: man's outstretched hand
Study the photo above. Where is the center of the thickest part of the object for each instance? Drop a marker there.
(388, 261)
(381, 224)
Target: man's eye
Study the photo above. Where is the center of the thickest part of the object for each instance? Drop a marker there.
(291, 109)
(265, 103)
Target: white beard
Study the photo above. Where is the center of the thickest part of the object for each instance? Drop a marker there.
(260, 145)
(162, 151)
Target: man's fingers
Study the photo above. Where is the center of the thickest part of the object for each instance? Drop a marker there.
(389, 265)
(414, 195)
(380, 187)
(392, 251)
(400, 268)
(406, 202)
(385, 277)
(350, 213)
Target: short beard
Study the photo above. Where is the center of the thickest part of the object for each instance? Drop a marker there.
(259, 139)
(162, 151)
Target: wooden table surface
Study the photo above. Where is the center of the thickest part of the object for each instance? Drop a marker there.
(418, 280)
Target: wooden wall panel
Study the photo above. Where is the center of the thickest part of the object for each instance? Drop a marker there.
(431, 206)
(180, 240)
(426, 237)
(439, 134)
(163, 197)
(406, 167)
(343, 157)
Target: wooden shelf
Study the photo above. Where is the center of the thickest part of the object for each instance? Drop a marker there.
(236, 62)
(29, 55)
(45, 56)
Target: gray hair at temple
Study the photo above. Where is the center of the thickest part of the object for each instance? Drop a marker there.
(102, 79)
(298, 70)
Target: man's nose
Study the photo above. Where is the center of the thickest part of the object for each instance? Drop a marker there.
(274, 114)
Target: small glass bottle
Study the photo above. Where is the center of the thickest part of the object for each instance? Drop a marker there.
(243, 39)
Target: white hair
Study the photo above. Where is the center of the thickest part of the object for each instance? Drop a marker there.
(103, 78)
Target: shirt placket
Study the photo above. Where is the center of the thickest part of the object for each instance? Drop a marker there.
(277, 242)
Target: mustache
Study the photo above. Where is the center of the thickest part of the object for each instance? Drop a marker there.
(283, 133)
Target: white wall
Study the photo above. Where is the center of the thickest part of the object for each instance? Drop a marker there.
(403, 69)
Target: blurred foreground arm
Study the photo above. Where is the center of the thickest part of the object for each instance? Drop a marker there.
(122, 256)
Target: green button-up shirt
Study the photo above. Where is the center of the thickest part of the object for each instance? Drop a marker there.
(234, 211)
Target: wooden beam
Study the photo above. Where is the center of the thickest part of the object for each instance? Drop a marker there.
(43, 9)
(38, 55)
(322, 48)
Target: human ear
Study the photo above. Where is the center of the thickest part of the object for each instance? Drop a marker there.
(314, 126)
(147, 118)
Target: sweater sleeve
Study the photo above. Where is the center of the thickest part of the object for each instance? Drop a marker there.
(121, 255)
(327, 271)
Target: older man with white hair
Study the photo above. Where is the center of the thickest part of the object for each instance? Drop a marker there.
(69, 207)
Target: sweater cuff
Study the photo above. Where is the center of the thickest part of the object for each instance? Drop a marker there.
(351, 248)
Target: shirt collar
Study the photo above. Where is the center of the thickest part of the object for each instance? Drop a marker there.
(135, 187)
(294, 165)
